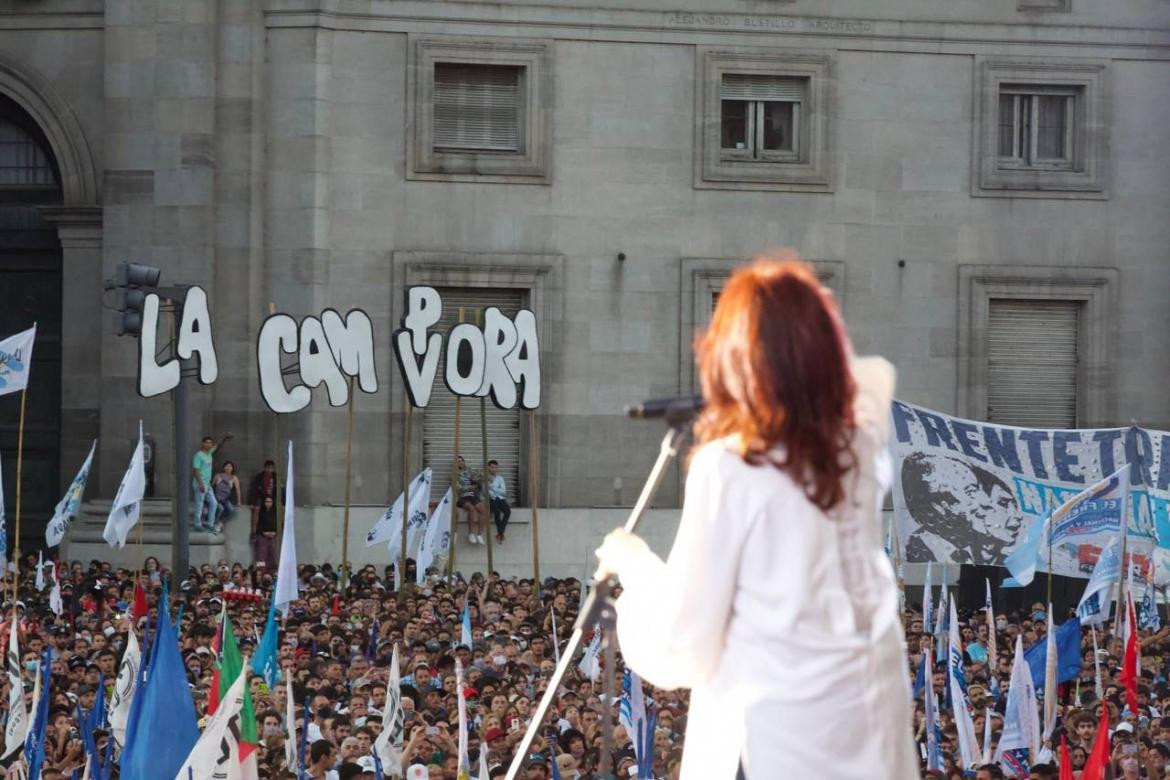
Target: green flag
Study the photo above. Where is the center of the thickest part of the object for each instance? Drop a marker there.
(231, 666)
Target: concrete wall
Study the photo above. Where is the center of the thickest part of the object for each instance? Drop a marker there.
(259, 148)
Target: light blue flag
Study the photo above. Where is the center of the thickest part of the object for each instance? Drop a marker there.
(265, 662)
(15, 360)
(465, 631)
(3, 530)
(1021, 718)
(934, 756)
(1094, 605)
(961, 704)
(70, 503)
(1088, 516)
(1148, 616)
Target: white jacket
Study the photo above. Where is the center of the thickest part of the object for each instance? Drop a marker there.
(782, 620)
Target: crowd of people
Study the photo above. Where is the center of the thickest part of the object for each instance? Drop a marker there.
(1137, 741)
(337, 648)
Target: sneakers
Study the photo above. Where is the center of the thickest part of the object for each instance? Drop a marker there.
(218, 528)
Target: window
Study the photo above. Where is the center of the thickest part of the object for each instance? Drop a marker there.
(1036, 345)
(502, 425)
(477, 107)
(1032, 350)
(760, 117)
(1045, 5)
(1042, 129)
(480, 110)
(762, 120)
(23, 163)
(1036, 126)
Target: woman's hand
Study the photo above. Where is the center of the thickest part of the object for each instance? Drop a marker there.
(618, 550)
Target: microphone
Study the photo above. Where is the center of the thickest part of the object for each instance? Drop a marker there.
(672, 410)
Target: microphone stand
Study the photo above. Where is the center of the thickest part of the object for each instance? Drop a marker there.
(599, 609)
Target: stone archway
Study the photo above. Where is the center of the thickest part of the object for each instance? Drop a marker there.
(77, 217)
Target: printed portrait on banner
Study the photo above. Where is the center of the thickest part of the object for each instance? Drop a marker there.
(967, 491)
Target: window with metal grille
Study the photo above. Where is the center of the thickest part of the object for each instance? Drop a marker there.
(478, 107)
(503, 425)
(1037, 126)
(23, 162)
(1032, 356)
(760, 116)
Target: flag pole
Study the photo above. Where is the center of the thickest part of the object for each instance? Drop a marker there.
(401, 562)
(1049, 599)
(344, 574)
(532, 496)
(487, 496)
(455, 487)
(276, 492)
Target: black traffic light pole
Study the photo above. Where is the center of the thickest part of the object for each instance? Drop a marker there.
(129, 282)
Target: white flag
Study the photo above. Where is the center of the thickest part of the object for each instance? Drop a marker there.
(17, 726)
(389, 525)
(416, 520)
(216, 756)
(964, 725)
(290, 722)
(286, 572)
(590, 664)
(15, 360)
(556, 642)
(128, 500)
(124, 688)
(1021, 721)
(55, 602)
(483, 767)
(69, 504)
(437, 538)
(1098, 596)
(388, 745)
(40, 580)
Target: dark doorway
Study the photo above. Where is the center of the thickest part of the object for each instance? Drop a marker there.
(30, 291)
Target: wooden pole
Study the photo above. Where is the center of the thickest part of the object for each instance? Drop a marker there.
(532, 497)
(455, 485)
(344, 574)
(19, 469)
(401, 564)
(487, 496)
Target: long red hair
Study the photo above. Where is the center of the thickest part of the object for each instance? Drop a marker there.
(774, 366)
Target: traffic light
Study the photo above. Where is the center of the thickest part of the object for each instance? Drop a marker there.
(129, 297)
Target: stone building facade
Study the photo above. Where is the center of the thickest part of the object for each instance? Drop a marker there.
(985, 184)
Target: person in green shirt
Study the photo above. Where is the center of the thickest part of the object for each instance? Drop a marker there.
(201, 482)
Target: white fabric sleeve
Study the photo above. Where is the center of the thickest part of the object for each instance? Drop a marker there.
(673, 615)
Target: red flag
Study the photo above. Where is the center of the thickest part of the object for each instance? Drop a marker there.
(140, 607)
(1129, 664)
(336, 610)
(1066, 770)
(1098, 760)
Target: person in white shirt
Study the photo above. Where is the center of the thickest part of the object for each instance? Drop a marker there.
(498, 497)
(777, 597)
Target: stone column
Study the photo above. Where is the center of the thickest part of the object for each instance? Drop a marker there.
(79, 229)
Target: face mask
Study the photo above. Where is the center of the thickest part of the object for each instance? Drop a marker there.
(498, 660)
(30, 666)
(1038, 615)
(271, 730)
(1001, 625)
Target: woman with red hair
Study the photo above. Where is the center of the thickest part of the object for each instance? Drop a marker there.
(777, 605)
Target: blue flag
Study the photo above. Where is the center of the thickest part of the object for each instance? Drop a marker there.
(160, 738)
(920, 678)
(265, 662)
(465, 631)
(34, 742)
(1068, 655)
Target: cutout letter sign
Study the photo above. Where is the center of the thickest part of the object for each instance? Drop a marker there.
(194, 340)
(329, 349)
(501, 360)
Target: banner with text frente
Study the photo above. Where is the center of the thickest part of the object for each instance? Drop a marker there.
(967, 491)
